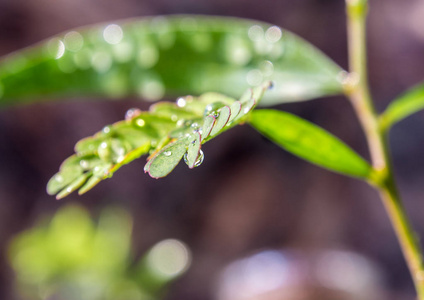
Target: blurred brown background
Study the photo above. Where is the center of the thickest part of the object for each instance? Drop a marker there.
(248, 194)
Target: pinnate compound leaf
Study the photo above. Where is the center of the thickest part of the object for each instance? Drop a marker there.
(168, 132)
(407, 104)
(310, 142)
(172, 55)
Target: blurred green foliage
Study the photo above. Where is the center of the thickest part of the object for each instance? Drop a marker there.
(172, 55)
(73, 257)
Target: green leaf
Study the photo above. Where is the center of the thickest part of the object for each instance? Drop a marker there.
(167, 159)
(172, 55)
(193, 150)
(235, 110)
(407, 104)
(168, 132)
(221, 120)
(208, 124)
(309, 142)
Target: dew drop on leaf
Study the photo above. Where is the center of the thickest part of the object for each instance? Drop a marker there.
(106, 129)
(58, 178)
(199, 160)
(140, 122)
(167, 153)
(84, 164)
(104, 151)
(132, 113)
(212, 109)
(181, 102)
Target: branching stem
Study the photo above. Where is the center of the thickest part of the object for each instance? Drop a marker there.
(357, 90)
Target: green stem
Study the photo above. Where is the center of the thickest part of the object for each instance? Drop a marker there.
(356, 88)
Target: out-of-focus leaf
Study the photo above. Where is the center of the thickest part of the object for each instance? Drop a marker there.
(168, 132)
(410, 102)
(172, 55)
(92, 259)
(309, 142)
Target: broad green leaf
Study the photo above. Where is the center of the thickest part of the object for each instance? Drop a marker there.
(405, 105)
(309, 142)
(172, 55)
(168, 132)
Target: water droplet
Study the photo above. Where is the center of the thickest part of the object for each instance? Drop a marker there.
(212, 109)
(267, 68)
(113, 34)
(73, 41)
(97, 169)
(199, 160)
(132, 113)
(174, 118)
(273, 34)
(101, 61)
(84, 164)
(152, 89)
(196, 128)
(181, 102)
(237, 51)
(123, 52)
(167, 153)
(140, 122)
(254, 77)
(56, 48)
(256, 33)
(82, 58)
(104, 151)
(58, 178)
(106, 130)
(119, 159)
(180, 122)
(148, 56)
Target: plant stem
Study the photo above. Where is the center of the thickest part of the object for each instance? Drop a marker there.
(356, 88)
